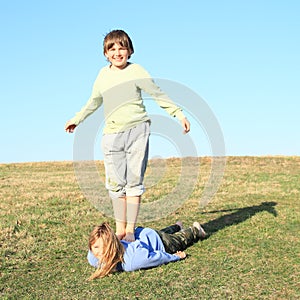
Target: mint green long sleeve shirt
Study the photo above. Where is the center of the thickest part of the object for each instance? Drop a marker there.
(120, 92)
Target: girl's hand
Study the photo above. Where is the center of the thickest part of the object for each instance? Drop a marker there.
(70, 127)
(180, 254)
(186, 125)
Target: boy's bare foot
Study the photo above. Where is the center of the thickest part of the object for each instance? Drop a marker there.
(129, 237)
(120, 236)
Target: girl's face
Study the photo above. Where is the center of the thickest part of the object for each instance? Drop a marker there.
(118, 56)
(97, 248)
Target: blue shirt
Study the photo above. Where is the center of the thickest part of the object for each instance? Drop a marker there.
(145, 252)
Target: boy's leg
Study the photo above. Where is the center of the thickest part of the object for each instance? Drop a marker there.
(132, 207)
(179, 241)
(119, 207)
(115, 170)
(137, 144)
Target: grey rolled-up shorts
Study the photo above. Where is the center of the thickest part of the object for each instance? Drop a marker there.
(125, 160)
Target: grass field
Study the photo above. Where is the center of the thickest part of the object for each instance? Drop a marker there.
(252, 252)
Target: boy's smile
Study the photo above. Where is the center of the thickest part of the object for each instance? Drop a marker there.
(118, 56)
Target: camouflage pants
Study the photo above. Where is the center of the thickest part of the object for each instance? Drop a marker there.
(175, 239)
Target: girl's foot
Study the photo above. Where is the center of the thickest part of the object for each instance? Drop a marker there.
(201, 230)
(180, 224)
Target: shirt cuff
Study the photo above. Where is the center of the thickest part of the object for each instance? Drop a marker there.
(180, 115)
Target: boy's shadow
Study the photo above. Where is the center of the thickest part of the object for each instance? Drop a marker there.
(240, 215)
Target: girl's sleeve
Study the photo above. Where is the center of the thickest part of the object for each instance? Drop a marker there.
(93, 103)
(143, 259)
(147, 84)
(93, 261)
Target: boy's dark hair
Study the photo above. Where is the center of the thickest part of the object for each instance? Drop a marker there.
(118, 36)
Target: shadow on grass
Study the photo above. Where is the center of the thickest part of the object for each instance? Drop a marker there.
(238, 216)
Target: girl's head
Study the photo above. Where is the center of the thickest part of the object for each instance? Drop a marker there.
(105, 245)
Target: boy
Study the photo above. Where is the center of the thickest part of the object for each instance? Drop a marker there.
(118, 87)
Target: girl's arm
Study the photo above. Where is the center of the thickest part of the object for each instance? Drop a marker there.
(180, 254)
(142, 259)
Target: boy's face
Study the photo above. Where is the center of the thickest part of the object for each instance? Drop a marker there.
(97, 248)
(118, 56)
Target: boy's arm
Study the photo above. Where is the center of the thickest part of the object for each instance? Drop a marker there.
(94, 102)
(70, 127)
(147, 84)
(161, 98)
(186, 125)
(92, 105)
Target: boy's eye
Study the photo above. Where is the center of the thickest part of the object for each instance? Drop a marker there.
(114, 49)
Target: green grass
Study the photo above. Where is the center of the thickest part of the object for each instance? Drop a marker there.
(252, 252)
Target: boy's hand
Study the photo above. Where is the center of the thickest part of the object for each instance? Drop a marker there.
(70, 127)
(186, 125)
(180, 254)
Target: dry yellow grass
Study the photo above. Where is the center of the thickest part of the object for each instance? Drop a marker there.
(253, 220)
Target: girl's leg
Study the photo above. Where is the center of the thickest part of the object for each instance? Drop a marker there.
(179, 241)
(171, 229)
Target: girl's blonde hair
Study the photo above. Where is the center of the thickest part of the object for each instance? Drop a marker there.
(120, 37)
(113, 250)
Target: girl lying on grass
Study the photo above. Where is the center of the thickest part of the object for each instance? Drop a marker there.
(151, 247)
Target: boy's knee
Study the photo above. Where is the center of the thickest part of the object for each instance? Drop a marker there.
(115, 194)
(135, 191)
(115, 189)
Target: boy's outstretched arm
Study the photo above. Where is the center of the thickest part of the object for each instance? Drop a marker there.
(186, 125)
(70, 127)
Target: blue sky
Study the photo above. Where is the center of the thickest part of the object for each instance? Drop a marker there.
(241, 57)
